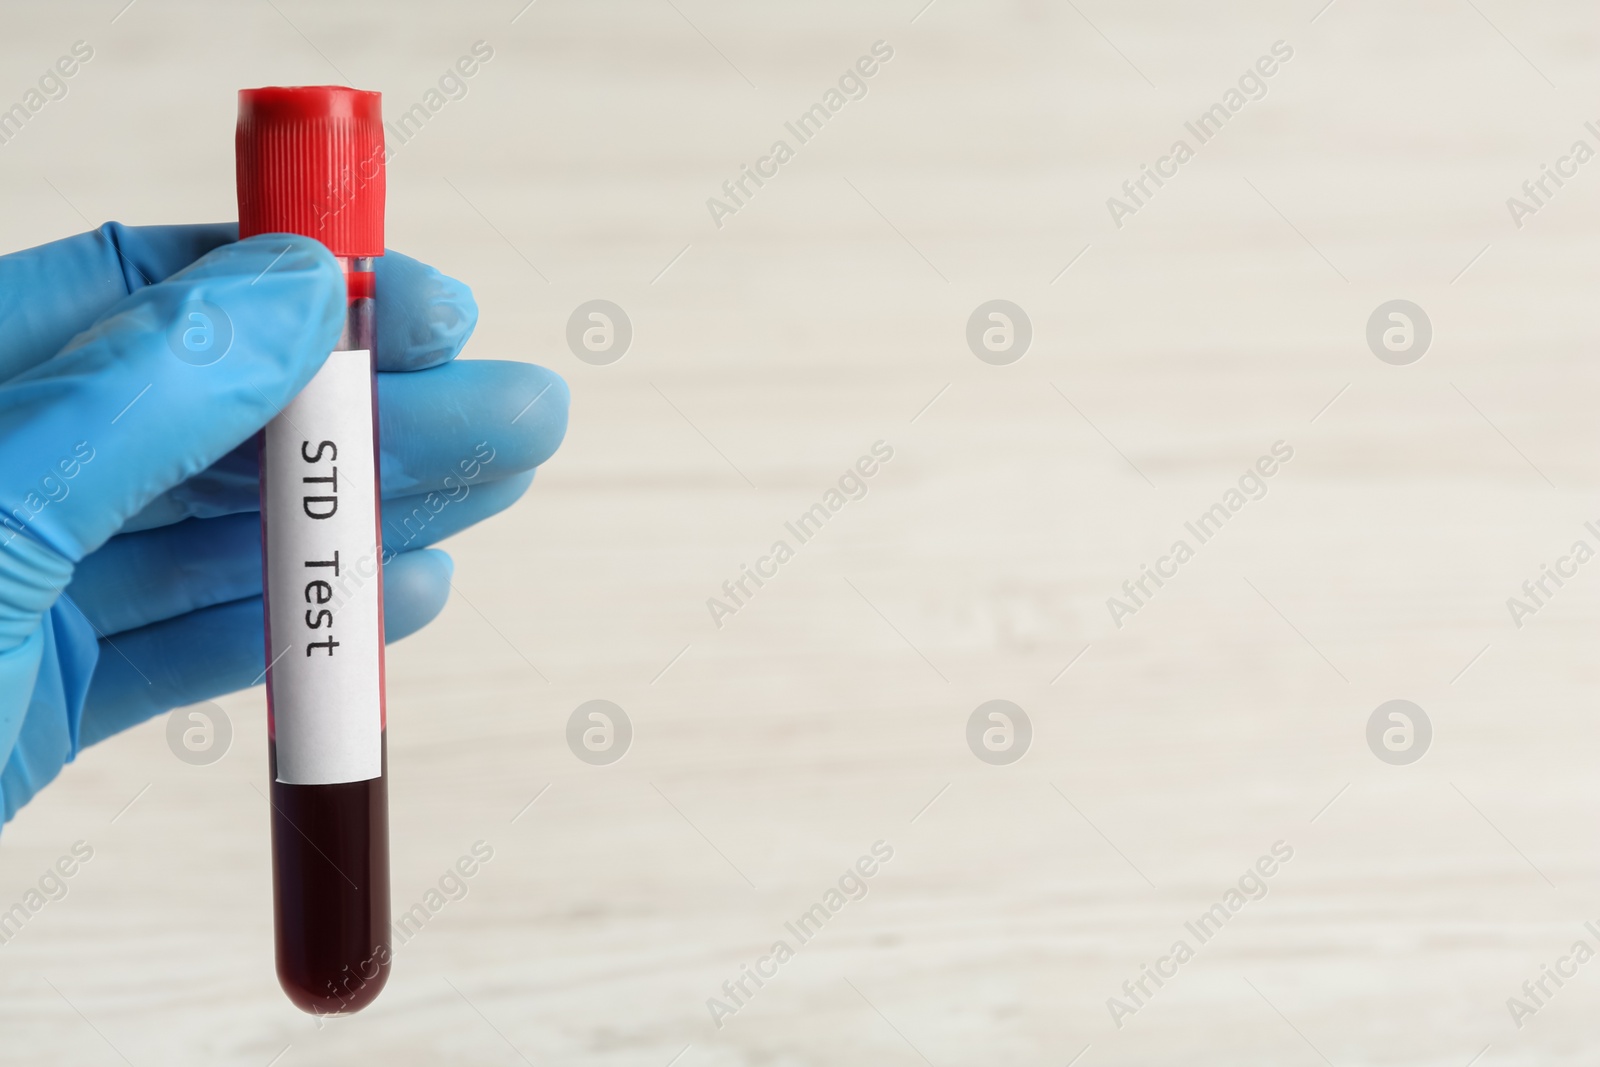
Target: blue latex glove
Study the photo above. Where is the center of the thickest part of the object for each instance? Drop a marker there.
(130, 552)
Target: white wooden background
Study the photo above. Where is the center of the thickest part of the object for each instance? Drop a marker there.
(1223, 317)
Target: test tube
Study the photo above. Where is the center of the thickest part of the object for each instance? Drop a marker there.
(310, 161)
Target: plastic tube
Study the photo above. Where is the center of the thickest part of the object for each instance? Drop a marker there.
(310, 161)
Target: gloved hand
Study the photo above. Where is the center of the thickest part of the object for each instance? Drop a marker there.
(130, 552)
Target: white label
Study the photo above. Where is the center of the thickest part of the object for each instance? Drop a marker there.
(323, 579)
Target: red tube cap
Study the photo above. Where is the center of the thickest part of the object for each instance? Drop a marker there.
(310, 161)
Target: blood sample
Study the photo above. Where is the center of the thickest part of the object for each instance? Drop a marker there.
(310, 161)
